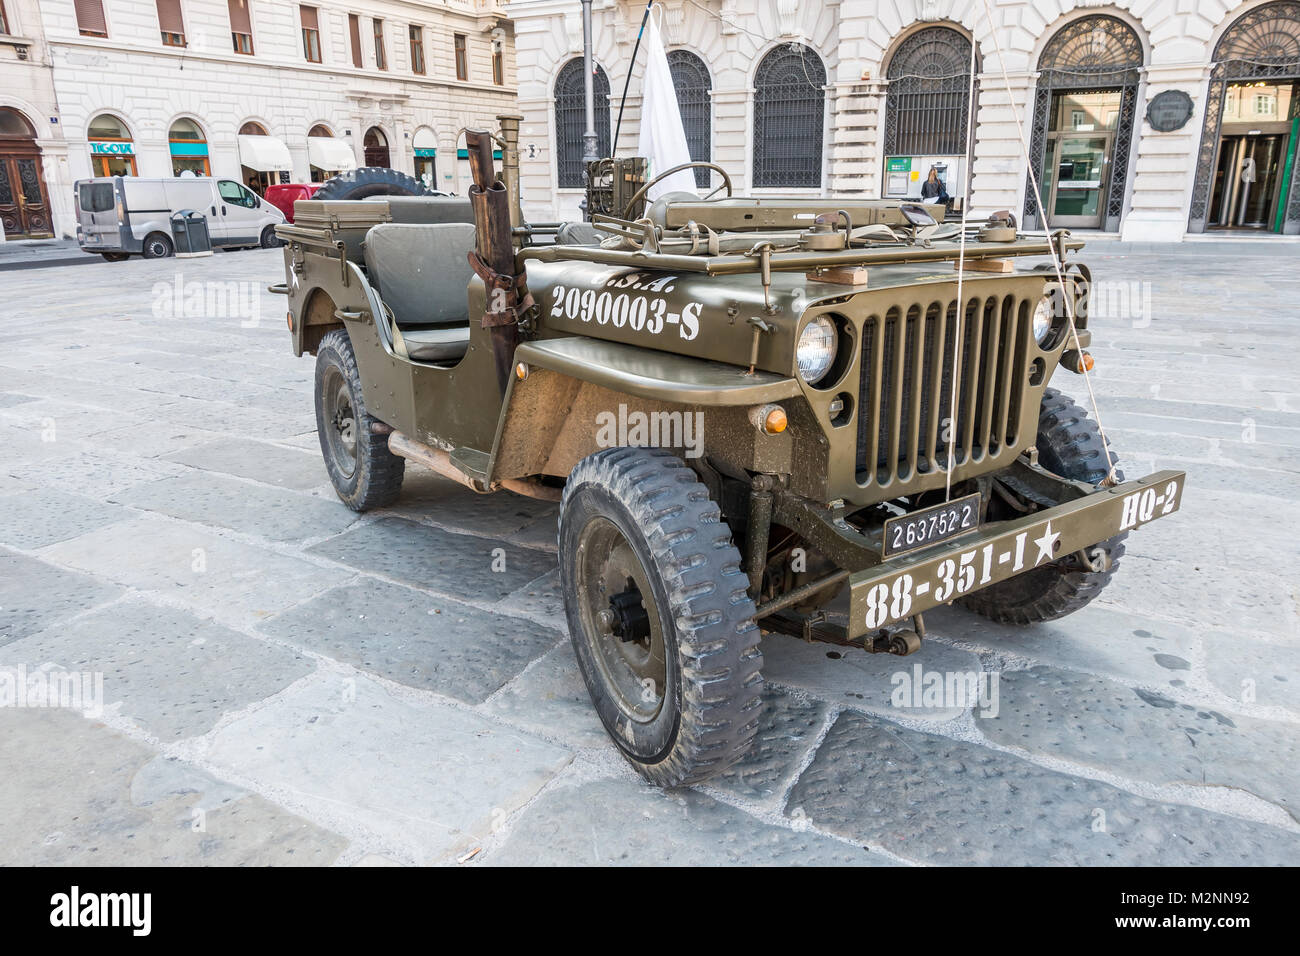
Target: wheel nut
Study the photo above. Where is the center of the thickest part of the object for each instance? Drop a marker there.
(606, 620)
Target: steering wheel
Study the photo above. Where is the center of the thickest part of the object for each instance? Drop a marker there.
(636, 198)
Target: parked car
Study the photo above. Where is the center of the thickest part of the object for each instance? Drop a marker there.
(120, 216)
(283, 195)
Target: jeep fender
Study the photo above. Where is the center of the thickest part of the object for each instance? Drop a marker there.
(572, 396)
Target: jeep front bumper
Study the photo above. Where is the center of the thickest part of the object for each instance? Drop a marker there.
(919, 580)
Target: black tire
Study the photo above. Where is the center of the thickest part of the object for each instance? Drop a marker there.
(366, 475)
(370, 181)
(156, 246)
(116, 256)
(1070, 445)
(269, 239)
(648, 507)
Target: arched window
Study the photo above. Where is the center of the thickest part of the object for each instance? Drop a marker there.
(692, 82)
(425, 144)
(929, 94)
(788, 121)
(571, 120)
(189, 148)
(105, 126)
(112, 153)
(13, 123)
(1084, 111)
(252, 128)
(375, 144)
(326, 155)
(1261, 50)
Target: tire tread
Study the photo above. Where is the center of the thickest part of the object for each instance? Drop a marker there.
(721, 662)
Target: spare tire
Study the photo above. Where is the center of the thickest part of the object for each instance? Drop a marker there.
(370, 181)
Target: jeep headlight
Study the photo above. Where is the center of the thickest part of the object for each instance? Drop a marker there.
(1043, 316)
(816, 349)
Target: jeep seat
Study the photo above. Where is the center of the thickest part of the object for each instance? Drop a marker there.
(420, 271)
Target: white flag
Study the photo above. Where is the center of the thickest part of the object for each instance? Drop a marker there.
(662, 139)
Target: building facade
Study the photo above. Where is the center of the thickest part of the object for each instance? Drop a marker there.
(1149, 119)
(33, 153)
(255, 90)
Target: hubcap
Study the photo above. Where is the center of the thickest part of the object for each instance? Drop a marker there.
(340, 423)
(620, 620)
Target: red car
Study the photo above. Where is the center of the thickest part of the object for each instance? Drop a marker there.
(283, 195)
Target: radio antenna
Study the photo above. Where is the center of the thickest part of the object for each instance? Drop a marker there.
(613, 147)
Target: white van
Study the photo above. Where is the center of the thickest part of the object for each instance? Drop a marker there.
(119, 216)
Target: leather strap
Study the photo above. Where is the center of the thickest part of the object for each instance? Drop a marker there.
(507, 295)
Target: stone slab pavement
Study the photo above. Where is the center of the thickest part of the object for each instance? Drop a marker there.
(253, 674)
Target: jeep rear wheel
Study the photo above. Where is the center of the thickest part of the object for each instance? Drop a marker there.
(1069, 445)
(659, 614)
(362, 469)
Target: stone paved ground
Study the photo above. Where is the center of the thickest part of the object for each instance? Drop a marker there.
(286, 682)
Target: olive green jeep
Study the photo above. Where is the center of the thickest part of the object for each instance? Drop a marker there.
(817, 417)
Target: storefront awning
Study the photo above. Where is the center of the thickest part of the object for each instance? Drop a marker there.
(324, 152)
(265, 154)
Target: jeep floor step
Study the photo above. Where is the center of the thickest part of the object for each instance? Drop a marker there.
(472, 463)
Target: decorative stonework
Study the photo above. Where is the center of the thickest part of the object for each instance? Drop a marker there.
(853, 39)
(674, 23)
(787, 13)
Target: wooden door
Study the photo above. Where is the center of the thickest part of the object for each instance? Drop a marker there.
(24, 206)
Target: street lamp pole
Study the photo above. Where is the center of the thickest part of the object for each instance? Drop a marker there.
(589, 134)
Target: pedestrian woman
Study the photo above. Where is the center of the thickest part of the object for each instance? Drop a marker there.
(933, 189)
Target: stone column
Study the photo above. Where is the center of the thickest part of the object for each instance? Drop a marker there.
(1165, 163)
(731, 135)
(999, 180)
(854, 139)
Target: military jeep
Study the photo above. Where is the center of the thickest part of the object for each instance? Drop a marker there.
(813, 417)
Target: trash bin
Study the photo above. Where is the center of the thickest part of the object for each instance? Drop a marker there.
(190, 234)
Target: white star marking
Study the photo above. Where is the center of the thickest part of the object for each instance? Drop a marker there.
(1045, 544)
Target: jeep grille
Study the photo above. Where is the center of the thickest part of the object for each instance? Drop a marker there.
(906, 389)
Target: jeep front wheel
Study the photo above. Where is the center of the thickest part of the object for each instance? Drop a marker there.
(362, 469)
(659, 615)
(1070, 445)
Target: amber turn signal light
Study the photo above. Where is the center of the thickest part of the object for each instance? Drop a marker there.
(769, 419)
(1078, 362)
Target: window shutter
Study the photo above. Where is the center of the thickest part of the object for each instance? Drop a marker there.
(309, 19)
(90, 16)
(354, 28)
(240, 21)
(169, 17)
